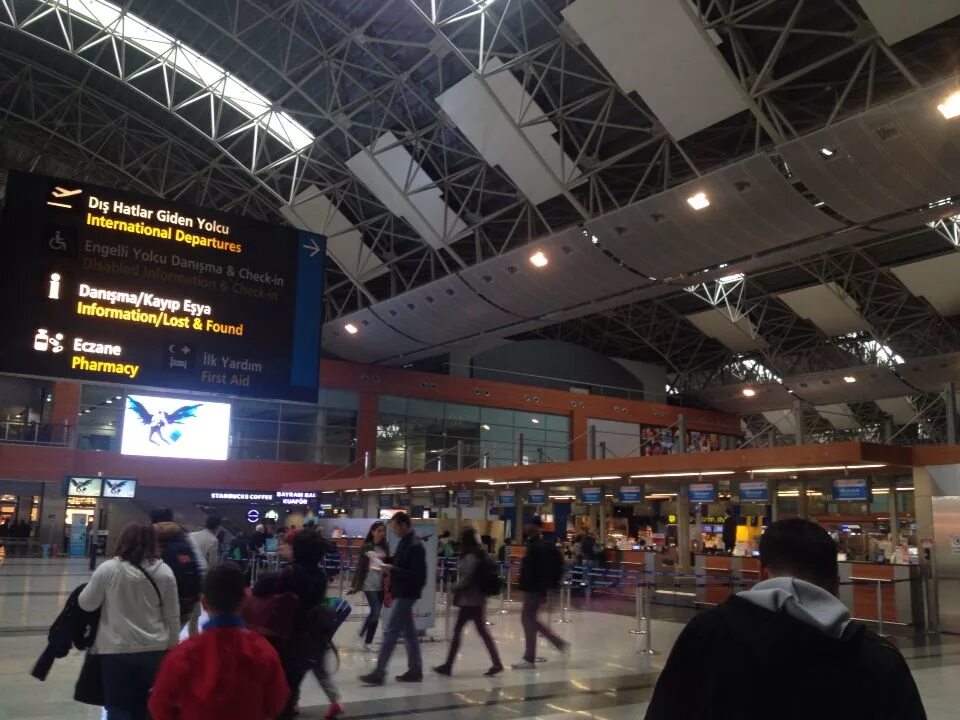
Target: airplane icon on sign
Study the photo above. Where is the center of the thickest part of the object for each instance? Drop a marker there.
(59, 193)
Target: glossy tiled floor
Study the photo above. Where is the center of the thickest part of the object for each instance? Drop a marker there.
(602, 678)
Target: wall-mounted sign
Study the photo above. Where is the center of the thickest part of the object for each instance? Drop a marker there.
(387, 501)
(241, 496)
(631, 494)
(296, 497)
(507, 498)
(591, 495)
(83, 486)
(404, 501)
(441, 499)
(110, 488)
(271, 515)
(537, 496)
(754, 491)
(703, 492)
(463, 498)
(851, 490)
(253, 516)
(356, 500)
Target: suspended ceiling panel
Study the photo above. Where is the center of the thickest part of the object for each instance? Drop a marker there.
(578, 272)
(828, 307)
(441, 311)
(474, 105)
(312, 210)
(374, 341)
(659, 50)
(730, 398)
(839, 415)
(931, 374)
(390, 172)
(900, 409)
(897, 156)
(896, 21)
(828, 388)
(738, 336)
(753, 209)
(783, 420)
(935, 280)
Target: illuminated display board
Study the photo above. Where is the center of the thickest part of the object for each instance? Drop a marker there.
(104, 285)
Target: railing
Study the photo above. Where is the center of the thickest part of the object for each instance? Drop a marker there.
(30, 433)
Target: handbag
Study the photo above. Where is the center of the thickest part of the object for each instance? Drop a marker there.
(89, 687)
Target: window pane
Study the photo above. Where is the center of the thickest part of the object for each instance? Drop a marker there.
(558, 422)
(393, 405)
(496, 416)
(457, 412)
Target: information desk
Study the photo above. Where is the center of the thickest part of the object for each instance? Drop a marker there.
(901, 594)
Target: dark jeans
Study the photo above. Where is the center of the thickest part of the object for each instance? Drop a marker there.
(532, 626)
(401, 621)
(295, 668)
(127, 679)
(375, 601)
(478, 615)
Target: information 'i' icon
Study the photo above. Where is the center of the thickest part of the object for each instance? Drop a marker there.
(54, 292)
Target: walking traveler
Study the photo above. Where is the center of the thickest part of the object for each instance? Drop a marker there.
(181, 554)
(469, 596)
(408, 575)
(136, 593)
(226, 672)
(540, 572)
(371, 582)
(207, 543)
(796, 642)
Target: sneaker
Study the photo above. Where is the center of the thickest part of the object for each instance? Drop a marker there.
(335, 711)
(443, 670)
(374, 678)
(523, 665)
(367, 648)
(410, 677)
(495, 670)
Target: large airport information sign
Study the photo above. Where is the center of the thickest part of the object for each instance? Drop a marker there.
(103, 285)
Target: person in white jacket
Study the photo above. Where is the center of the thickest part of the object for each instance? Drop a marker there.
(136, 593)
(208, 548)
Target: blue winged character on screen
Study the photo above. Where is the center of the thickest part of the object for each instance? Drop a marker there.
(115, 486)
(158, 422)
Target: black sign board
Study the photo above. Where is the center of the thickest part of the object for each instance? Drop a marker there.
(115, 287)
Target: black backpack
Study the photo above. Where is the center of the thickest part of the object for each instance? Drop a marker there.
(554, 569)
(179, 555)
(487, 577)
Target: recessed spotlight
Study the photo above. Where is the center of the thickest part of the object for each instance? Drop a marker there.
(699, 201)
(118, 397)
(849, 379)
(538, 259)
(485, 427)
(535, 421)
(109, 402)
(827, 152)
(351, 328)
(748, 392)
(594, 239)
(950, 107)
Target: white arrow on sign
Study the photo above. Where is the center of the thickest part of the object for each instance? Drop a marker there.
(312, 247)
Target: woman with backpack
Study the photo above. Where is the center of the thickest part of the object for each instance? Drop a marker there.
(469, 595)
(136, 593)
(371, 583)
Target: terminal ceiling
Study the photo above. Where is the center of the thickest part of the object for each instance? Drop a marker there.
(439, 143)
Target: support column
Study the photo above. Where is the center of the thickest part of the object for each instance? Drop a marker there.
(367, 419)
(579, 437)
(602, 533)
(799, 436)
(66, 406)
(802, 500)
(923, 492)
(950, 400)
(682, 430)
(894, 522)
(518, 521)
(774, 500)
(683, 528)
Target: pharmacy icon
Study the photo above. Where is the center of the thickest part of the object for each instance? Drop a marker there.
(43, 341)
(53, 292)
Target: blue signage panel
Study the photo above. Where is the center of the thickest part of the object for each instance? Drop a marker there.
(463, 498)
(537, 496)
(253, 516)
(631, 494)
(851, 490)
(441, 499)
(404, 501)
(507, 498)
(591, 495)
(754, 491)
(703, 492)
(387, 501)
(356, 500)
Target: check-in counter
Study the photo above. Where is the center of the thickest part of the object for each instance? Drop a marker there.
(718, 576)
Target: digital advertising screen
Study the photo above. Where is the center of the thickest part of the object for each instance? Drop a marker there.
(175, 428)
(84, 487)
(110, 286)
(119, 488)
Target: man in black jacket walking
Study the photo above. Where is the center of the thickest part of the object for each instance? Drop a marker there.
(792, 640)
(408, 575)
(540, 572)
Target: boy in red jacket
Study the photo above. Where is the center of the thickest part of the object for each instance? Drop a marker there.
(226, 671)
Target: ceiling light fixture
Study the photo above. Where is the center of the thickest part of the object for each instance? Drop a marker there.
(351, 328)
(383, 489)
(573, 479)
(825, 468)
(708, 473)
(699, 201)
(514, 482)
(485, 427)
(849, 379)
(594, 239)
(485, 481)
(428, 487)
(535, 421)
(827, 152)
(748, 392)
(950, 108)
(538, 259)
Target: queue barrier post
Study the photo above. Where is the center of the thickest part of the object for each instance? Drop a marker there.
(564, 602)
(503, 593)
(640, 591)
(647, 648)
(509, 583)
(880, 609)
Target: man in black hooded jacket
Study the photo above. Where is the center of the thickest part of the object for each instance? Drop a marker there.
(786, 646)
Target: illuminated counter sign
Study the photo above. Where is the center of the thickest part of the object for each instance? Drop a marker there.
(116, 287)
(851, 490)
